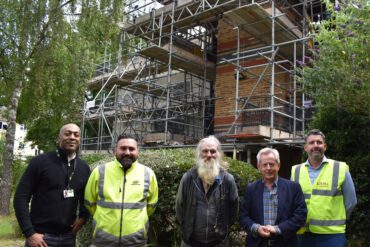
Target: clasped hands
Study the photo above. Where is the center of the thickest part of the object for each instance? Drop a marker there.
(266, 231)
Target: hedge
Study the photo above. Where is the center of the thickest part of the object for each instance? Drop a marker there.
(169, 165)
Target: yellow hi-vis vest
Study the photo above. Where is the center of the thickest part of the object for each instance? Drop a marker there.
(324, 198)
(121, 203)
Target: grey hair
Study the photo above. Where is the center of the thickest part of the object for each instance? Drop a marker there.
(212, 139)
(268, 151)
(208, 139)
(315, 132)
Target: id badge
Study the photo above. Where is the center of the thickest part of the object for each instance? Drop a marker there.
(68, 193)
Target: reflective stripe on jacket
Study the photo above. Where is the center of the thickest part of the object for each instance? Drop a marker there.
(121, 202)
(324, 198)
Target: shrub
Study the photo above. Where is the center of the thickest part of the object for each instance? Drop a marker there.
(19, 166)
(360, 217)
(338, 82)
(169, 165)
(93, 158)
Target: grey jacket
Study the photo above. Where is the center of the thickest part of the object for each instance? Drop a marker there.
(227, 195)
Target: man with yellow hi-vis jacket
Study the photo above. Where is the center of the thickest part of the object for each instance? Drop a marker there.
(121, 195)
(329, 192)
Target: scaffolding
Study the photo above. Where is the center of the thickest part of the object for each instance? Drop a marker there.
(165, 86)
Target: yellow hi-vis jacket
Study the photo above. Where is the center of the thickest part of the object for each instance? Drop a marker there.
(324, 198)
(121, 203)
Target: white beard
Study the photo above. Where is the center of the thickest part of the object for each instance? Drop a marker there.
(208, 170)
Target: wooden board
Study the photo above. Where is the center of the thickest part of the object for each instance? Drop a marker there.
(256, 20)
(181, 59)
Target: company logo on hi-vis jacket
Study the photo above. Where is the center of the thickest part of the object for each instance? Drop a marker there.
(135, 182)
(322, 184)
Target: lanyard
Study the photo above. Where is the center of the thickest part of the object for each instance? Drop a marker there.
(65, 169)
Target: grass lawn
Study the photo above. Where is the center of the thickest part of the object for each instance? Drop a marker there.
(6, 227)
(9, 233)
(11, 242)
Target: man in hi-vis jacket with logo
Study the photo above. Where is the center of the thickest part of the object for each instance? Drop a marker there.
(121, 195)
(329, 192)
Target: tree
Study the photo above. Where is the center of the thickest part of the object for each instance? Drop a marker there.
(66, 68)
(21, 41)
(338, 80)
(44, 63)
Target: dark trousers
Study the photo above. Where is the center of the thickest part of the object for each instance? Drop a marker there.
(267, 243)
(224, 243)
(321, 240)
(59, 240)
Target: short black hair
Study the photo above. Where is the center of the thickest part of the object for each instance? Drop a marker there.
(315, 132)
(125, 136)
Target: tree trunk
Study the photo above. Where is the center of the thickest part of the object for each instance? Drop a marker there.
(7, 174)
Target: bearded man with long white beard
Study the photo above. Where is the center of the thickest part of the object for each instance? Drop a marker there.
(207, 199)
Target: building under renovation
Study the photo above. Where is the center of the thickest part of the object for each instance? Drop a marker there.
(190, 68)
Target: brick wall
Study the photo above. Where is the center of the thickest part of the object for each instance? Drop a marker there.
(225, 86)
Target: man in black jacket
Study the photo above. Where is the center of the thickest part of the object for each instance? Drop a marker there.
(54, 182)
(207, 199)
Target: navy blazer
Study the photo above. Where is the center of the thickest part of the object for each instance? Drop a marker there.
(291, 213)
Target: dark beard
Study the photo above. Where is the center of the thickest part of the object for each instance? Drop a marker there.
(126, 162)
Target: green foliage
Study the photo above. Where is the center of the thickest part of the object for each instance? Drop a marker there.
(84, 236)
(347, 133)
(47, 51)
(2, 147)
(19, 166)
(338, 81)
(9, 228)
(360, 217)
(51, 47)
(93, 158)
(55, 88)
(5, 229)
(169, 166)
(99, 21)
(340, 74)
(243, 174)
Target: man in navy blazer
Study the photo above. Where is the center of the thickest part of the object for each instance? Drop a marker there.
(273, 209)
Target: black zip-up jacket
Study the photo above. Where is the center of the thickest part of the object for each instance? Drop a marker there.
(186, 204)
(43, 183)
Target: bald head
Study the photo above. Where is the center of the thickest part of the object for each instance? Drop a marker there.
(69, 138)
